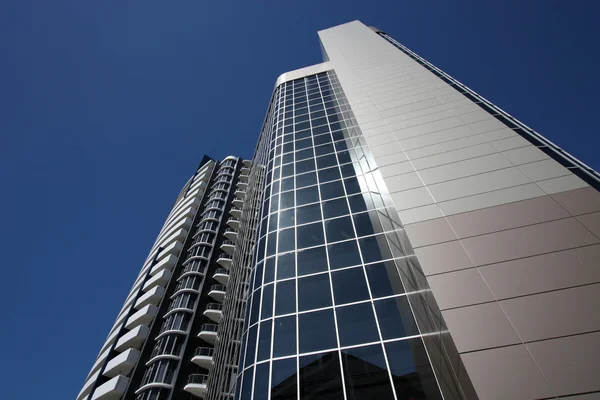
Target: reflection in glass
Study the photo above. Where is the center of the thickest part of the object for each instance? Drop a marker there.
(365, 374)
(283, 379)
(320, 377)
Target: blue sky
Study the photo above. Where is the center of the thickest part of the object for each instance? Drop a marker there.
(108, 106)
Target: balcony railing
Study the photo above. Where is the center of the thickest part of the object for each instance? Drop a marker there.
(204, 351)
(225, 255)
(220, 288)
(221, 271)
(214, 306)
(209, 328)
(197, 379)
(228, 242)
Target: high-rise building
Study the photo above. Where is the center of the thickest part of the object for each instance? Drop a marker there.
(396, 236)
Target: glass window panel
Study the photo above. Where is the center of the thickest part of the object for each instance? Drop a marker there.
(344, 254)
(319, 130)
(286, 218)
(302, 134)
(312, 261)
(258, 275)
(255, 306)
(267, 302)
(261, 381)
(246, 391)
(286, 240)
(269, 270)
(287, 147)
(310, 235)
(307, 195)
(356, 324)
(384, 279)
(348, 170)
(326, 161)
(349, 286)
(286, 266)
(304, 154)
(264, 340)
(322, 139)
(332, 190)
(339, 229)
(284, 342)
(315, 370)
(314, 292)
(284, 380)
(273, 222)
(287, 184)
(366, 375)
(316, 331)
(286, 200)
(367, 223)
(360, 202)
(374, 248)
(335, 208)
(251, 345)
(287, 170)
(286, 297)
(288, 158)
(395, 318)
(352, 185)
(329, 174)
(319, 121)
(305, 166)
(308, 213)
(324, 149)
(411, 371)
(306, 180)
(274, 203)
(303, 144)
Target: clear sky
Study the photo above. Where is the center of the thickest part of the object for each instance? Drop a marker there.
(106, 108)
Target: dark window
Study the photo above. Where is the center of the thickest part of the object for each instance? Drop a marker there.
(314, 292)
(332, 190)
(246, 390)
(306, 180)
(302, 134)
(286, 266)
(326, 161)
(325, 149)
(348, 170)
(264, 340)
(284, 342)
(349, 285)
(286, 218)
(307, 195)
(285, 302)
(305, 166)
(283, 380)
(310, 235)
(303, 144)
(304, 154)
(356, 324)
(322, 139)
(273, 222)
(384, 279)
(395, 318)
(269, 270)
(312, 261)
(335, 208)
(352, 185)
(339, 229)
(261, 381)
(343, 254)
(251, 346)
(374, 248)
(329, 174)
(366, 375)
(287, 200)
(411, 371)
(320, 377)
(316, 331)
(271, 244)
(309, 213)
(367, 223)
(267, 302)
(360, 202)
(258, 275)
(255, 307)
(287, 170)
(286, 240)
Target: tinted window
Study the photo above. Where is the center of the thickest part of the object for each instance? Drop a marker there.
(284, 342)
(309, 213)
(374, 248)
(395, 318)
(286, 266)
(331, 190)
(367, 223)
(264, 340)
(286, 219)
(286, 240)
(261, 381)
(306, 180)
(366, 375)
(283, 379)
(311, 261)
(384, 279)
(343, 254)
(339, 229)
(267, 302)
(307, 195)
(310, 235)
(316, 331)
(286, 297)
(314, 292)
(269, 270)
(356, 324)
(286, 200)
(349, 285)
(317, 369)
(335, 208)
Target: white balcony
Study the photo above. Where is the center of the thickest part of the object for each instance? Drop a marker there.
(217, 292)
(247, 163)
(111, 390)
(221, 275)
(231, 233)
(142, 317)
(228, 246)
(233, 223)
(203, 357)
(235, 212)
(208, 333)
(99, 361)
(160, 279)
(243, 179)
(213, 311)
(166, 263)
(225, 260)
(152, 296)
(174, 248)
(122, 364)
(245, 170)
(196, 385)
(238, 202)
(133, 339)
(240, 194)
(87, 386)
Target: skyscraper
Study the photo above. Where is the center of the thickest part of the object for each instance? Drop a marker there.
(397, 236)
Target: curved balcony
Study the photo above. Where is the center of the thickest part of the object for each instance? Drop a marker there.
(226, 171)
(243, 178)
(228, 246)
(247, 163)
(245, 170)
(223, 179)
(213, 311)
(112, 389)
(203, 356)
(239, 203)
(242, 184)
(208, 333)
(233, 222)
(217, 292)
(225, 260)
(122, 364)
(231, 233)
(196, 384)
(193, 269)
(221, 275)
(240, 194)
(235, 212)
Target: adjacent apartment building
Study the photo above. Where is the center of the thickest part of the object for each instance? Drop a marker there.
(395, 236)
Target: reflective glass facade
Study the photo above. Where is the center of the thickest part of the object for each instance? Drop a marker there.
(327, 315)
